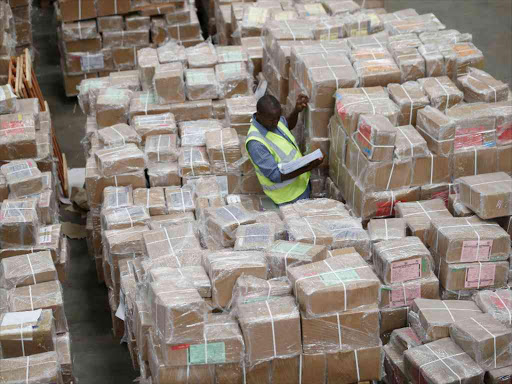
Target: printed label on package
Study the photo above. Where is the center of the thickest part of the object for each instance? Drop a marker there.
(405, 270)
(474, 250)
(337, 277)
(92, 62)
(397, 295)
(480, 276)
(211, 353)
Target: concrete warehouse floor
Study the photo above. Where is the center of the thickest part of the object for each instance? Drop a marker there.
(97, 358)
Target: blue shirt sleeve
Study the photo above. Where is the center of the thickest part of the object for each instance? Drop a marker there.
(262, 157)
(284, 121)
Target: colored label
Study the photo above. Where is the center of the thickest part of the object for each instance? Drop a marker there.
(501, 302)
(397, 295)
(336, 277)
(179, 347)
(405, 270)
(480, 276)
(474, 250)
(92, 62)
(358, 32)
(211, 353)
(292, 249)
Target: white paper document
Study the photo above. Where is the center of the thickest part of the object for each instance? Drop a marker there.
(287, 168)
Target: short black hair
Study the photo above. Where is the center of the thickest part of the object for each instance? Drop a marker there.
(267, 103)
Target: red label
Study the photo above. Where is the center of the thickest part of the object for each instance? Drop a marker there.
(501, 304)
(504, 133)
(341, 110)
(180, 347)
(384, 208)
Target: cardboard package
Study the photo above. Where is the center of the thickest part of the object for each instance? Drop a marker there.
(410, 62)
(152, 125)
(223, 148)
(498, 375)
(441, 91)
(63, 349)
(146, 103)
(169, 84)
(124, 217)
(374, 73)
(202, 55)
(19, 221)
(431, 319)
(117, 197)
(419, 214)
(342, 331)
(194, 273)
(178, 311)
(158, 222)
(284, 254)
(147, 61)
(32, 268)
(401, 340)
(42, 367)
(193, 133)
(270, 328)
(467, 55)
(351, 103)
(151, 198)
(505, 159)
(162, 174)
(239, 113)
(376, 137)
(171, 241)
(437, 129)
(126, 38)
(46, 295)
(23, 177)
(71, 10)
(201, 84)
(461, 276)
(410, 98)
(223, 222)
(193, 161)
(479, 86)
(180, 199)
(485, 339)
(112, 106)
(162, 148)
(441, 362)
(118, 135)
(394, 296)
(171, 52)
(7, 100)
(347, 273)
(233, 80)
(356, 365)
(432, 169)
(470, 239)
(397, 261)
(456, 207)
(27, 333)
(254, 237)
(250, 288)
(119, 160)
(496, 303)
(386, 229)
(489, 196)
(126, 79)
(224, 268)
(109, 23)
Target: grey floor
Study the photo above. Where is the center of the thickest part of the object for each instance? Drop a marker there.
(98, 360)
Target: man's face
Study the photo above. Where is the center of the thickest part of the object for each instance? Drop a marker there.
(269, 119)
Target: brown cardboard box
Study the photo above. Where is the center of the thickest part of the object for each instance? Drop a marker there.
(126, 38)
(270, 328)
(479, 86)
(489, 196)
(474, 161)
(222, 222)
(124, 217)
(30, 333)
(180, 199)
(113, 7)
(432, 169)
(496, 303)
(391, 319)
(431, 319)
(86, 45)
(485, 339)
(8, 102)
(147, 60)
(178, 311)
(224, 268)
(374, 73)
(255, 237)
(169, 84)
(397, 295)
(284, 254)
(397, 261)
(441, 91)
(461, 276)
(410, 143)
(163, 175)
(162, 148)
(441, 362)
(376, 137)
(249, 288)
(341, 331)
(163, 124)
(233, 80)
(193, 133)
(146, 103)
(410, 62)
(201, 84)
(386, 229)
(158, 222)
(126, 79)
(23, 178)
(112, 106)
(32, 268)
(71, 10)
(42, 367)
(194, 273)
(222, 341)
(17, 136)
(419, 214)
(468, 239)
(171, 241)
(345, 273)
(119, 160)
(456, 207)
(223, 148)
(19, 221)
(239, 113)
(357, 365)
(151, 198)
(46, 295)
(437, 129)
(193, 161)
(124, 58)
(63, 349)
(118, 135)
(505, 159)
(110, 23)
(4, 189)
(498, 376)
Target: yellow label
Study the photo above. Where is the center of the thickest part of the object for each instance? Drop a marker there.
(20, 116)
(358, 32)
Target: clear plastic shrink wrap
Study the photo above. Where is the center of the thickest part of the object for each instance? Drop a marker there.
(151, 198)
(254, 237)
(497, 304)
(282, 255)
(22, 270)
(40, 368)
(117, 197)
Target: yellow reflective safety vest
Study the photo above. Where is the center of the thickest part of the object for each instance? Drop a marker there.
(283, 151)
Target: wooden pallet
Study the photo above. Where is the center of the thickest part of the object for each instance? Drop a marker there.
(23, 81)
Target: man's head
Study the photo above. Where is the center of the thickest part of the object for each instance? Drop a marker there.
(268, 111)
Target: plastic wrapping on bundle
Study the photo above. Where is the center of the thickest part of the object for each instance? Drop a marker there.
(314, 284)
(118, 135)
(124, 217)
(151, 198)
(380, 72)
(27, 334)
(202, 55)
(89, 90)
(233, 80)
(194, 273)
(336, 8)
(201, 84)
(441, 91)
(163, 174)
(431, 319)
(170, 52)
(47, 295)
(23, 177)
(318, 208)
(146, 103)
(470, 239)
(19, 223)
(386, 229)
(445, 36)
(479, 86)
(19, 137)
(152, 125)
(137, 22)
(410, 143)
(249, 289)
(254, 237)
(169, 84)
(376, 137)
(497, 304)
(223, 222)
(439, 362)
(415, 24)
(193, 133)
(397, 261)
(117, 197)
(239, 113)
(8, 102)
(112, 106)
(223, 148)
(402, 295)
(180, 199)
(22, 270)
(39, 368)
(403, 41)
(283, 254)
(125, 79)
(411, 63)
(119, 160)
(162, 148)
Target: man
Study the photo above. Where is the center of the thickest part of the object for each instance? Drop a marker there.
(270, 143)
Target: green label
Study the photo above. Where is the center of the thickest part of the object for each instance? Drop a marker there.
(148, 97)
(336, 277)
(115, 94)
(292, 249)
(199, 77)
(216, 353)
(259, 299)
(424, 265)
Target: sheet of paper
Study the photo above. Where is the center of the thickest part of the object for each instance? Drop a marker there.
(15, 318)
(287, 168)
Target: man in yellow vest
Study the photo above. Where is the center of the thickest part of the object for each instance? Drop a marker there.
(270, 143)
